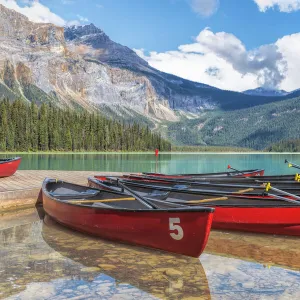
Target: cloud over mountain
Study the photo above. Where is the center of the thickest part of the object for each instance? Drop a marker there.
(39, 13)
(222, 60)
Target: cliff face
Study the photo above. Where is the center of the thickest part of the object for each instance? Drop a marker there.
(36, 63)
(166, 90)
(82, 66)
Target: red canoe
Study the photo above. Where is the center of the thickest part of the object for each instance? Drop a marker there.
(9, 167)
(232, 212)
(117, 216)
(243, 173)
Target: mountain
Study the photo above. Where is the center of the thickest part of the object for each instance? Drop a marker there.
(82, 68)
(257, 127)
(266, 92)
(175, 92)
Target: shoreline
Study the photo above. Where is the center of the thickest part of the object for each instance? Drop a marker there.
(148, 152)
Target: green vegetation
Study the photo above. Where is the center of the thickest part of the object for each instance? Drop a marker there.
(285, 146)
(256, 128)
(28, 127)
(208, 149)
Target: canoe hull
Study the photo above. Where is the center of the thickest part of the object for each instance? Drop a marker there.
(241, 174)
(270, 220)
(9, 168)
(179, 232)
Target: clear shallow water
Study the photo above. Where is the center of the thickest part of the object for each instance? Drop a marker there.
(40, 259)
(166, 163)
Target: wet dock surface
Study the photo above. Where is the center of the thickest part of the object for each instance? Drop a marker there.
(40, 259)
(22, 189)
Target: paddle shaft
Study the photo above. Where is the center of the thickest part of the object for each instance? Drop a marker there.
(293, 165)
(283, 198)
(137, 196)
(284, 193)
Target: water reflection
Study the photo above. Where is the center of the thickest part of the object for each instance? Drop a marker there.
(166, 163)
(40, 259)
(43, 260)
(159, 274)
(269, 250)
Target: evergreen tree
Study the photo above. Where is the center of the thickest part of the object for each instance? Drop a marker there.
(26, 127)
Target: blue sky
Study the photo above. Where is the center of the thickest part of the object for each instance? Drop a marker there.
(230, 44)
(162, 25)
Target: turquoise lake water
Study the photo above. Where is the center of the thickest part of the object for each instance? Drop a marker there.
(41, 259)
(166, 163)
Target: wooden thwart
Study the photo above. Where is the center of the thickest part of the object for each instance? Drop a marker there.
(207, 200)
(244, 191)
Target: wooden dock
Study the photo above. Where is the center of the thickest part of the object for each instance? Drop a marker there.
(22, 190)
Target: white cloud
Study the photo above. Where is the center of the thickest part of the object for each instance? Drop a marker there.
(289, 46)
(204, 8)
(39, 13)
(82, 19)
(282, 5)
(222, 60)
(35, 11)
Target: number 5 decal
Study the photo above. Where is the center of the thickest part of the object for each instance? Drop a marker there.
(174, 226)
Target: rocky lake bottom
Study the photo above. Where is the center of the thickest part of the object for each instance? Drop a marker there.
(40, 259)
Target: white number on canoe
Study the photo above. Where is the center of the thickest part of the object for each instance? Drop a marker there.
(174, 226)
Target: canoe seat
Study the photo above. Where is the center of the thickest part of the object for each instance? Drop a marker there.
(158, 195)
(88, 193)
(181, 187)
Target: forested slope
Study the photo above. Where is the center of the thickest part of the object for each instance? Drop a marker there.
(256, 127)
(28, 127)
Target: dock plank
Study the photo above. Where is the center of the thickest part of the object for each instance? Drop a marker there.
(22, 190)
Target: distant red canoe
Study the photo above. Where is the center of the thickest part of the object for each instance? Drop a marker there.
(120, 217)
(9, 167)
(262, 214)
(237, 174)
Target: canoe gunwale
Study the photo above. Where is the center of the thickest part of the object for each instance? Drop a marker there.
(170, 210)
(221, 174)
(9, 160)
(211, 204)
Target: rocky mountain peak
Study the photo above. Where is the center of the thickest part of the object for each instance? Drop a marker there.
(104, 49)
(14, 25)
(76, 32)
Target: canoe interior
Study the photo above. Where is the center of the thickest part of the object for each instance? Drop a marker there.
(220, 200)
(86, 196)
(6, 160)
(289, 179)
(215, 199)
(250, 188)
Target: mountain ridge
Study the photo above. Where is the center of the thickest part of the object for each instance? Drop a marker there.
(80, 66)
(261, 91)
